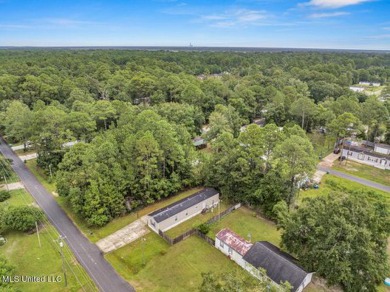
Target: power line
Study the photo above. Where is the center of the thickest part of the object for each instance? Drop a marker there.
(51, 241)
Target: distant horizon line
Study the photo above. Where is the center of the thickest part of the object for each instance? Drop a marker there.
(195, 48)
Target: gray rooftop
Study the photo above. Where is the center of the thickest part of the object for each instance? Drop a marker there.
(386, 146)
(183, 204)
(279, 265)
(367, 151)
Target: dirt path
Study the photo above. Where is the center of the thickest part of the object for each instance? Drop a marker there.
(124, 236)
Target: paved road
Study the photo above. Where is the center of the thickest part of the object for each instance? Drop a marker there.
(88, 254)
(355, 179)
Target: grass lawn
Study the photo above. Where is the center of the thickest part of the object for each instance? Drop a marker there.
(244, 222)
(331, 184)
(152, 265)
(195, 221)
(18, 198)
(381, 176)
(22, 251)
(22, 152)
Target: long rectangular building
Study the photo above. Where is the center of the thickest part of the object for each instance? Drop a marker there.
(182, 210)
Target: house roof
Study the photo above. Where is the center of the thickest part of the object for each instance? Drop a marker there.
(366, 151)
(197, 141)
(279, 265)
(183, 204)
(382, 146)
(235, 241)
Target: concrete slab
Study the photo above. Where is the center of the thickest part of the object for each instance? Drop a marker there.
(12, 186)
(28, 156)
(124, 236)
(325, 162)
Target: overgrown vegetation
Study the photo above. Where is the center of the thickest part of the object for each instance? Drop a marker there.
(342, 238)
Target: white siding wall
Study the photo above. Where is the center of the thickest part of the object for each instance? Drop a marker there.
(305, 282)
(381, 150)
(235, 256)
(184, 215)
(367, 159)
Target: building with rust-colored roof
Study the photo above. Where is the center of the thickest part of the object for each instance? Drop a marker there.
(231, 244)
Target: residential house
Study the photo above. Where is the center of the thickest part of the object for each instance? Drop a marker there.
(279, 266)
(182, 210)
(199, 142)
(378, 156)
(375, 84)
(357, 88)
(258, 122)
(382, 148)
(262, 255)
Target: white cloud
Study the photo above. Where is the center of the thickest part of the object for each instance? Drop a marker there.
(238, 17)
(380, 36)
(331, 4)
(326, 15)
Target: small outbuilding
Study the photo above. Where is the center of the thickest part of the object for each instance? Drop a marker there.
(232, 245)
(182, 210)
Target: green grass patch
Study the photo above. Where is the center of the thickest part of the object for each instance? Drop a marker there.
(23, 251)
(381, 176)
(247, 223)
(18, 198)
(22, 152)
(153, 265)
(195, 221)
(331, 184)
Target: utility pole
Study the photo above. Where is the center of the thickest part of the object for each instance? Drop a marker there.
(5, 179)
(63, 260)
(143, 251)
(219, 210)
(51, 174)
(39, 240)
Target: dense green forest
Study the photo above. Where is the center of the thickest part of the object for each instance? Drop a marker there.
(135, 113)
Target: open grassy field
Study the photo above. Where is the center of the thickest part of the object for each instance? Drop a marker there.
(331, 184)
(23, 251)
(381, 176)
(152, 265)
(247, 224)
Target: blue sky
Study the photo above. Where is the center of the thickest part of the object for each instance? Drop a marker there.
(348, 24)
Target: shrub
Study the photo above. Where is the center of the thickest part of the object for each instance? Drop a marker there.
(22, 218)
(204, 228)
(4, 195)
